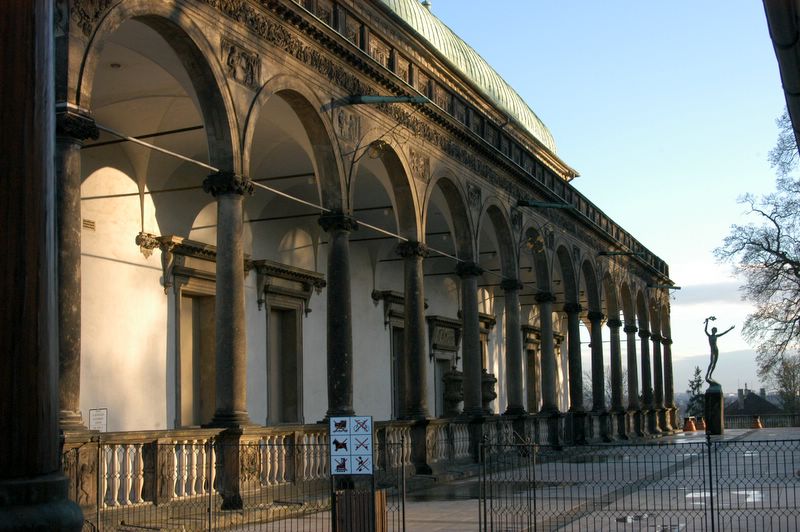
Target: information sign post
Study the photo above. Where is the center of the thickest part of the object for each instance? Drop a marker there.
(351, 455)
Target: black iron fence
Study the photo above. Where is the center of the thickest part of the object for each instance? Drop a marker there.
(708, 485)
(279, 485)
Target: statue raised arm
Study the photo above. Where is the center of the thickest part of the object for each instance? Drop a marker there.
(712, 342)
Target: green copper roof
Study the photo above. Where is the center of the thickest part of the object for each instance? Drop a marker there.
(472, 66)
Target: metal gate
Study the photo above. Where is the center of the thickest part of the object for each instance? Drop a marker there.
(710, 485)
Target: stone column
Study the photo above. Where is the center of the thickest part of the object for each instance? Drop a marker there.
(339, 319)
(549, 408)
(72, 128)
(33, 490)
(634, 405)
(658, 382)
(471, 338)
(669, 386)
(230, 327)
(573, 311)
(513, 332)
(415, 404)
(617, 407)
(548, 353)
(576, 419)
(648, 406)
(598, 371)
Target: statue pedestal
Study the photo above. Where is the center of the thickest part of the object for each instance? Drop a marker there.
(715, 410)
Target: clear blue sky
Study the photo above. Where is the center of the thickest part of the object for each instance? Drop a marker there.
(667, 109)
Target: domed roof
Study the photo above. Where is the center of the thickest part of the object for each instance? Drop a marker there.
(472, 66)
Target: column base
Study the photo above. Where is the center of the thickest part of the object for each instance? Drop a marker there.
(38, 503)
(652, 423)
(515, 411)
(229, 420)
(69, 420)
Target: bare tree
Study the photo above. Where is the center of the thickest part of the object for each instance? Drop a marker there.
(766, 253)
(784, 156)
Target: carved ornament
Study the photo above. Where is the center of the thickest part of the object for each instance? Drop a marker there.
(290, 281)
(77, 125)
(337, 221)
(86, 13)
(412, 249)
(241, 65)
(420, 165)
(474, 196)
(227, 183)
(468, 269)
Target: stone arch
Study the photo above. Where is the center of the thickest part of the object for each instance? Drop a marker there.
(455, 199)
(612, 296)
(494, 213)
(402, 187)
(591, 288)
(198, 59)
(642, 315)
(568, 278)
(628, 306)
(328, 167)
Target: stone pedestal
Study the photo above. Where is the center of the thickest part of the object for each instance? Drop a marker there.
(715, 410)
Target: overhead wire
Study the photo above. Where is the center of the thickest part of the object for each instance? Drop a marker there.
(280, 193)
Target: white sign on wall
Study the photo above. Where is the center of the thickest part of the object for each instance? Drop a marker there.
(98, 419)
(351, 445)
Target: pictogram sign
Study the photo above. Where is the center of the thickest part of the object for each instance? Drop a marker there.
(351, 445)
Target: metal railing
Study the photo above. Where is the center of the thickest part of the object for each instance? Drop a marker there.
(710, 485)
(767, 421)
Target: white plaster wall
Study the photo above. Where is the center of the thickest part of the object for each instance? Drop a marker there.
(372, 386)
(256, 353)
(124, 342)
(315, 373)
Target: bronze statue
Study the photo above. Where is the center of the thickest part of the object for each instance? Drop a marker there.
(712, 342)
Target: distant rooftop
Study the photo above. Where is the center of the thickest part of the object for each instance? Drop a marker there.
(472, 66)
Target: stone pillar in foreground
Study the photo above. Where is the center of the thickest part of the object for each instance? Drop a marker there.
(471, 338)
(634, 405)
(576, 408)
(599, 374)
(669, 386)
(548, 363)
(617, 408)
(230, 327)
(648, 405)
(33, 491)
(339, 319)
(72, 128)
(414, 354)
(513, 333)
(658, 383)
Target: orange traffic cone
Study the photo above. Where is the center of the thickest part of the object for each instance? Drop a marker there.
(756, 424)
(688, 424)
(700, 424)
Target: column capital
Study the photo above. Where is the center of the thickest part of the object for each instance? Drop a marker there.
(337, 221)
(511, 284)
(644, 333)
(573, 308)
(656, 337)
(468, 269)
(595, 315)
(222, 183)
(666, 341)
(614, 323)
(630, 328)
(412, 248)
(77, 124)
(545, 297)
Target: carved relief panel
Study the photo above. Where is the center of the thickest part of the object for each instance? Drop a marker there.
(241, 65)
(420, 165)
(402, 67)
